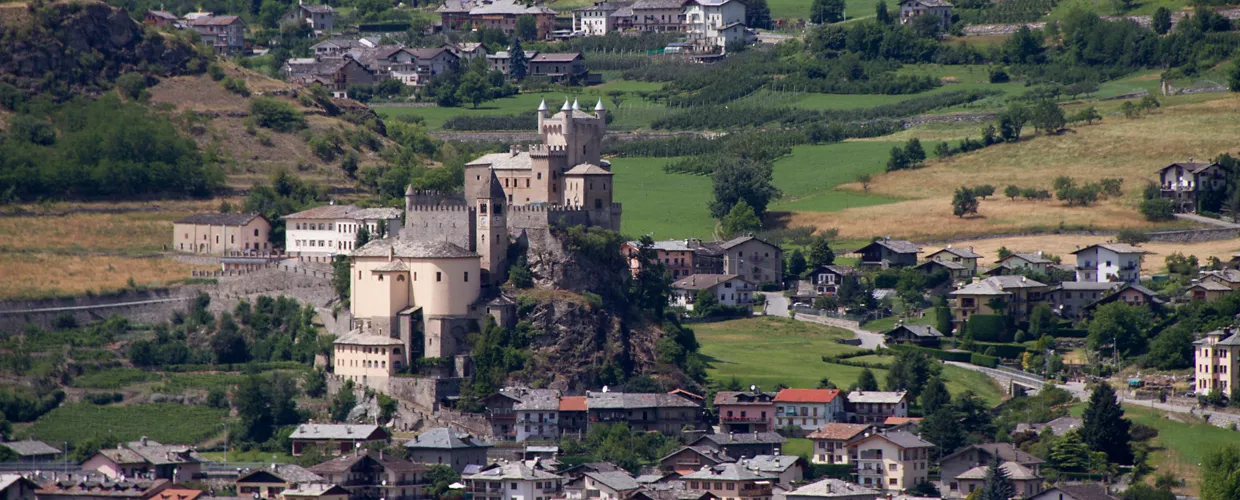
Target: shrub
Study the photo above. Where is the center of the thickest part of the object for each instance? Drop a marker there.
(132, 85)
(1157, 209)
(1131, 236)
(236, 86)
(216, 72)
(983, 360)
(277, 115)
(987, 327)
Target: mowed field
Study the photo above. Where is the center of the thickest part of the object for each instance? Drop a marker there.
(1131, 149)
(163, 422)
(768, 351)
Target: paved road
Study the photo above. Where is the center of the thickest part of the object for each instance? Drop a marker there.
(777, 305)
(1207, 220)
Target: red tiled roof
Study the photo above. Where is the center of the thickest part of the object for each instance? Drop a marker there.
(839, 431)
(900, 420)
(573, 403)
(177, 494)
(806, 395)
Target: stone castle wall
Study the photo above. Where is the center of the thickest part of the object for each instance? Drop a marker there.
(455, 224)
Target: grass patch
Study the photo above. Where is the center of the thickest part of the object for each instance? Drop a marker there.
(798, 447)
(799, 9)
(809, 175)
(661, 204)
(132, 233)
(1107, 8)
(164, 422)
(115, 378)
(768, 351)
(39, 275)
(248, 456)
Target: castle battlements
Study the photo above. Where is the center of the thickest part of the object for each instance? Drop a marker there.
(440, 208)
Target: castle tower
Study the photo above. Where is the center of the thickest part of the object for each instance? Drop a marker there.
(492, 229)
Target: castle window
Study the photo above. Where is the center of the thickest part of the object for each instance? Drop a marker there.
(400, 277)
(598, 203)
(483, 207)
(604, 186)
(467, 276)
(499, 209)
(359, 275)
(527, 182)
(380, 277)
(438, 276)
(540, 176)
(583, 150)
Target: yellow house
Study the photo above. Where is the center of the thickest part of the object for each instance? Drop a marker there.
(1209, 291)
(1215, 366)
(893, 461)
(965, 258)
(217, 234)
(1018, 293)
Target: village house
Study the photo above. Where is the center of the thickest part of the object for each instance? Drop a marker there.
(536, 415)
(160, 19)
(1084, 491)
(940, 10)
(832, 489)
(335, 48)
(785, 470)
(1215, 367)
(321, 233)
(176, 493)
(219, 234)
(922, 335)
(739, 445)
(666, 413)
(965, 258)
(1109, 262)
(1017, 293)
(893, 461)
(573, 415)
(658, 16)
(1185, 182)
(955, 271)
(559, 67)
(314, 491)
(17, 487)
(1035, 262)
(466, 52)
(675, 255)
(731, 481)
(465, 15)
(30, 450)
(875, 407)
(320, 18)
(601, 18)
(807, 409)
(826, 280)
(1226, 277)
(176, 462)
(1058, 427)
(730, 290)
(1133, 295)
(714, 23)
(831, 441)
(1069, 298)
(442, 445)
(688, 459)
(269, 482)
(501, 60)
(369, 474)
(96, 487)
(610, 485)
(1208, 291)
(512, 481)
(754, 259)
(745, 411)
(885, 252)
(361, 356)
(334, 74)
(224, 34)
(335, 439)
(501, 412)
(960, 474)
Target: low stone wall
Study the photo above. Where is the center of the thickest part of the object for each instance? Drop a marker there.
(146, 306)
(1194, 235)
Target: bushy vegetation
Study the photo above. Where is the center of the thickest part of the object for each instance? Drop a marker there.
(100, 148)
(520, 121)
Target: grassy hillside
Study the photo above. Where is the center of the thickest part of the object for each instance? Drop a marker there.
(163, 422)
(768, 351)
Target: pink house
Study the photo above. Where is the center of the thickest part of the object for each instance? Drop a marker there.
(745, 411)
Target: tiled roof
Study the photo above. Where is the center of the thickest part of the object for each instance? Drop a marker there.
(744, 398)
(838, 431)
(616, 480)
(214, 21)
(360, 337)
(734, 438)
(505, 161)
(928, 3)
(587, 169)
(400, 247)
(1086, 491)
(713, 454)
(395, 266)
(161, 14)
(1015, 471)
(346, 462)
(97, 486)
(219, 219)
(997, 285)
(897, 246)
(1088, 286)
(842, 270)
(30, 447)
(702, 281)
(620, 400)
(334, 431)
(833, 488)
(122, 456)
(539, 399)
(1211, 286)
(512, 470)
(667, 245)
(290, 473)
(876, 397)
(772, 464)
(444, 438)
(573, 403)
(161, 454)
(177, 494)
(1228, 275)
(727, 472)
(901, 420)
(807, 395)
(1114, 247)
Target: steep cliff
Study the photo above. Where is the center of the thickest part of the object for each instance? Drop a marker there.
(80, 47)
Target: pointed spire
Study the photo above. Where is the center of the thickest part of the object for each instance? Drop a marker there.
(543, 105)
(599, 106)
(565, 106)
(575, 105)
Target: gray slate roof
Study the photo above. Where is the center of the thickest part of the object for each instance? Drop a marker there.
(905, 439)
(832, 488)
(743, 438)
(997, 285)
(1014, 471)
(771, 464)
(291, 473)
(505, 161)
(897, 246)
(539, 400)
(442, 438)
(219, 219)
(624, 400)
(702, 281)
(512, 470)
(1006, 452)
(616, 480)
(334, 431)
(656, 4)
(919, 330)
(30, 448)
(1087, 491)
(1114, 247)
(728, 472)
(401, 247)
(855, 397)
(964, 253)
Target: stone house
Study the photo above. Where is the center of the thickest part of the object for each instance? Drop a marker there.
(500, 60)
(730, 290)
(754, 259)
(320, 18)
(648, 412)
(159, 18)
(922, 335)
(893, 461)
(336, 74)
(875, 407)
(1119, 262)
(884, 253)
(958, 469)
(512, 481)
(219, 234)
(335, 439)
(745, 411)
(537, 415)
(270, 481)
(1018, 293)
(442, 445)
(1215, 366)
(675, 255)
(808, 409)
(1187, 183)
(225, 34)
(1069, 299)
(940, 10)
(370, 474)
(321, 233)
(831, 441)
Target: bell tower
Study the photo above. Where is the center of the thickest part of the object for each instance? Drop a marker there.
(492, 212)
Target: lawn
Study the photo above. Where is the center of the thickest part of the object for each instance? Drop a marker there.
(768, 351)
(799, 9)
(633, 113)
(809, 175)
(798, 447)
(1106, 7)
(163, 422)
(664, 205)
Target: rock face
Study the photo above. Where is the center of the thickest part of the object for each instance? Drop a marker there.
(554, 266)
(83, 46)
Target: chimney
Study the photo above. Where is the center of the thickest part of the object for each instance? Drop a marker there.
(143, 440)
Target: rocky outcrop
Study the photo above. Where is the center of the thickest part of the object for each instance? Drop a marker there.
(81, 47)
(555, 267)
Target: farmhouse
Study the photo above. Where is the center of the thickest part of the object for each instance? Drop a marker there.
(220, 234)
(728, 289)
(666, 413)
(940, 10)
(224, 34)
(1015, 294)
(884, 253)
(1184, 183)
(922, 335)
(1208, 291)
(320, 18)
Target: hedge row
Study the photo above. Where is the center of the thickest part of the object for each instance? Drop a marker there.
(983, 360)
(1007, 351)
(986, 327)
(962, 357)
(231, 367)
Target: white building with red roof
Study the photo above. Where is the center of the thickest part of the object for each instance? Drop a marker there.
(808, 409)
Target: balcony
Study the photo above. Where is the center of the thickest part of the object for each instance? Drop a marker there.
(742, 420)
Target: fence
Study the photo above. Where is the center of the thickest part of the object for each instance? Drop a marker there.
(246, 269)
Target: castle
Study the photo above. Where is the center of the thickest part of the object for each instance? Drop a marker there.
(427, 288)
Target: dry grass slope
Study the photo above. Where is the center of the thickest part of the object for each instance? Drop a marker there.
(1117, 147)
